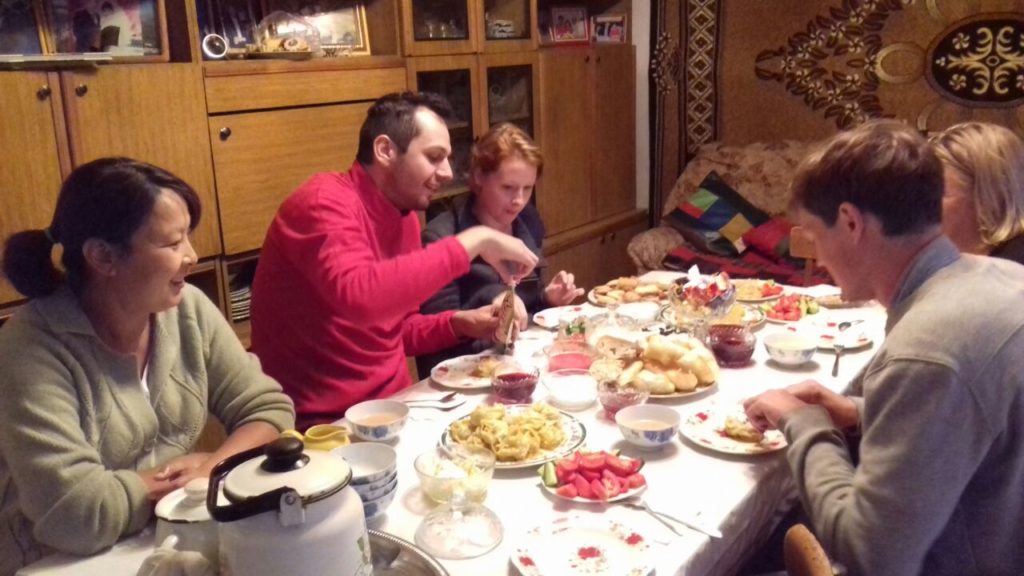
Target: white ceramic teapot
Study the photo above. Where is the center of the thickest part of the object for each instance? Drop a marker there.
(290, 512)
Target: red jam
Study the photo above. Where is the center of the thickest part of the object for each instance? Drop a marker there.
(575, 360)
(732, 345)
(515, 386)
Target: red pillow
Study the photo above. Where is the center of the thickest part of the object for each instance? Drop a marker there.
(770, 238)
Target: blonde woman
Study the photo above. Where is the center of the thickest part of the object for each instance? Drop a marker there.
(504, 167)
(983, 203)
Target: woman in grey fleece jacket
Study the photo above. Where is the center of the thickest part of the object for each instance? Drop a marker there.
(940, 408)
(108, 373)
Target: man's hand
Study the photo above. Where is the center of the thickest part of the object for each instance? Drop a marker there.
(562, 290)
(477, 324)
(506, 254)
(766, 409)
(841, 409)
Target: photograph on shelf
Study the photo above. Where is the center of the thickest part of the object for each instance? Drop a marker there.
(569, 25)
(130, 29)
(609, 28)
(341, 23)
(235, 21)
(19, 28)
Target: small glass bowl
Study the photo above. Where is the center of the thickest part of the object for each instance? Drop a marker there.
(444, 470)
(571, 389)
(514, 383)
(732, 344)
(614, 398)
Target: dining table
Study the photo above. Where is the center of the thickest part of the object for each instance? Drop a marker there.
(741, 496)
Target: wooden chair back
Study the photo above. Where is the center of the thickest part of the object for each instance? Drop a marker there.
(804, 555)
(801, 245)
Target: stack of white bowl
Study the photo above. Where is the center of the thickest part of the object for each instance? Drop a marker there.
(374, 474)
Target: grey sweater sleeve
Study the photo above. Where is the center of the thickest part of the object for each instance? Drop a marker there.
(882, 517)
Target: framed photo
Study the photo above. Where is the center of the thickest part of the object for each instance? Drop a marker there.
(20, 32)
(128, 29)
(569, 25)
(236, 21)
(341, 23)
(610, 28)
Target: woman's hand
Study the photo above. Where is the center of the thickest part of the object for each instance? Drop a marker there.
(562, 290)
(178, 471)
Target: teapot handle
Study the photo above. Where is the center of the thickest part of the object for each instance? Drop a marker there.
(266, 502)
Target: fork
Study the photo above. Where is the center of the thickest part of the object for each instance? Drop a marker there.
(835, 365)
(640, 504)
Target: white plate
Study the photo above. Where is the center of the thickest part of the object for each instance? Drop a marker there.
(568, 546)
(828, 335)
(550, 317)
(754, 317)
(627, 494)
(574, 431)
(705, 428)
(457, 372)
(699, 391)
(759, 299)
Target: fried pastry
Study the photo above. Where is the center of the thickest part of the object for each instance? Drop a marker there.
(741, 430)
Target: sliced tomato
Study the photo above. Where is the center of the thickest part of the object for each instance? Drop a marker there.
(569, 464)
(617, 466)
(635, 481)
(567, 491)
(594, 461)
(590, 475)
(612, 485)
(598, 490)
(583, 489)
(792, 316)
(635, 465)
(564, 477)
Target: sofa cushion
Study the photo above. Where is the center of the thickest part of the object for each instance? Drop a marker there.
(770, 238)
(715, 217)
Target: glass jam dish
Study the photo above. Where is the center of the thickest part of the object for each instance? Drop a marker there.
(732, 344)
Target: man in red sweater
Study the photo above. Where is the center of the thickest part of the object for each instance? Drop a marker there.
(342, 273)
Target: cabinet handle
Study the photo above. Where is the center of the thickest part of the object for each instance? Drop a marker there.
(598, 59)
(586, 58)
(613, 236)
(44, 92)
(81, 90)
(602, 240)
(225, 133)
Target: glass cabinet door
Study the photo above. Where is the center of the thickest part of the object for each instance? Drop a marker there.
(434, 27)
(456, 85)
(511, 90)
(508, 25)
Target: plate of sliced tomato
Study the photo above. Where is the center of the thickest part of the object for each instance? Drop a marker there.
(790, 308)
(756, 291)
(596, 477)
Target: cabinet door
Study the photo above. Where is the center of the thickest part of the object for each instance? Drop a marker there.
(151, 112)
(616, 261)
(31, 132)
(435, 27)
(614, 136)
(563, 194)
(508, 25)
(261, 157)
(582, 260)
(455, 78)
(511, 87)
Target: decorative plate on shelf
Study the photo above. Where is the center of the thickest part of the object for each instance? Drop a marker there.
(573, 545)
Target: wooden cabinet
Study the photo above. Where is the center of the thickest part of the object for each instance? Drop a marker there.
(597, 255)
(31, 136)
(588, 133)
(438, 27)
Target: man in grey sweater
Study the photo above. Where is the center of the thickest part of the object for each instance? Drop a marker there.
(939, 486)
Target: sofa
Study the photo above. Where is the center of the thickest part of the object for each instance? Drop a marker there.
(760, 173)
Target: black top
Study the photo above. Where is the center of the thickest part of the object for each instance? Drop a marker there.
(1012, 249)
(481, 284)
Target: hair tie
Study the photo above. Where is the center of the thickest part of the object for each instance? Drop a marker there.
(49, 236)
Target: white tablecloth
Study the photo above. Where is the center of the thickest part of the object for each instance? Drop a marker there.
(739, 495)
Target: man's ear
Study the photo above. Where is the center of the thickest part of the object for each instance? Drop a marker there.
(100, 256)
(851, 220)
(384, 150)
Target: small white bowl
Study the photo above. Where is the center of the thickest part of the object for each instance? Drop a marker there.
(377, 420)
(639, 312)
(371, 462)
(648, 426)
(374, 508)
(371, 492)
(789, 348)
(570, 389)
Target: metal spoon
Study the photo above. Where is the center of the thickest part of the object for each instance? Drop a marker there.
(847, 323)
(835, 365)
(442, 400)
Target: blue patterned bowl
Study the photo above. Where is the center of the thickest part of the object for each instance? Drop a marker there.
(374, 508)
(790, 349)
(648, 426)
(377, 420)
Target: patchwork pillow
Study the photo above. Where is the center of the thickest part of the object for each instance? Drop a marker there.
(715, 217)
(770, 238)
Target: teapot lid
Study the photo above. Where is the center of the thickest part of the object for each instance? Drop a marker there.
(314, 474)
(186, 504)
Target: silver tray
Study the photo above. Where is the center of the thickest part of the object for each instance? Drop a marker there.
(393, 556)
